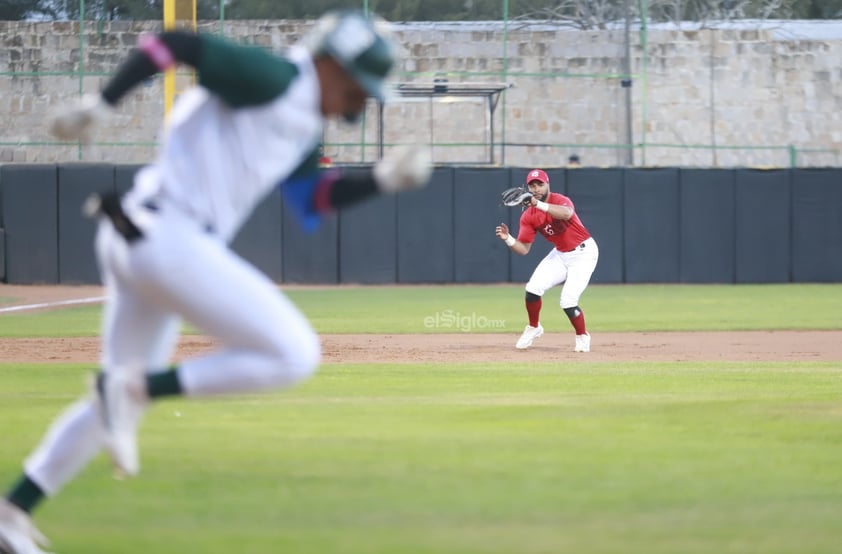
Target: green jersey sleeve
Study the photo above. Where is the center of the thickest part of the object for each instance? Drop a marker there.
(242, 75)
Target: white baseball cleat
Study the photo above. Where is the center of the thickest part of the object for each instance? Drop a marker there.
(18, 535)
(529, 335)
(583, 343)
(122, 400)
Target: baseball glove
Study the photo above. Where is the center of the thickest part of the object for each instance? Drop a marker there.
(517, 196)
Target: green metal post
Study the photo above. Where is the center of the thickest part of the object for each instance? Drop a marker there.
(626, 83)
(81, 63)
(362, 136)
(793, 155)
(362, 122)
(222, 18)
(505, 78)
(644, 45)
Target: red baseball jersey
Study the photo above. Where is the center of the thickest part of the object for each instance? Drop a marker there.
(565, 235)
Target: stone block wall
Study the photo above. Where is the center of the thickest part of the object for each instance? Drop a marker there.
(750, 93)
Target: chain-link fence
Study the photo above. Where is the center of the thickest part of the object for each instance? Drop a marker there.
(518, 88)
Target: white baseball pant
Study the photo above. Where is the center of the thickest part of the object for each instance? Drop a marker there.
(180, 271)
(573, 268)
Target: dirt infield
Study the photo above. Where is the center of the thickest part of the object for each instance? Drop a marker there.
(756, 346)
(460, 348)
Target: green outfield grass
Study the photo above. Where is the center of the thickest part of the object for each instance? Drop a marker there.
(607, 307)
(584, 458)
(576, 457)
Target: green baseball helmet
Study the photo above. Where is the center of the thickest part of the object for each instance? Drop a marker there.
(361, 44)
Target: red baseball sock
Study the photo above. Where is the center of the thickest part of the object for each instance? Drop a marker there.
(533, 309)
(577, 319)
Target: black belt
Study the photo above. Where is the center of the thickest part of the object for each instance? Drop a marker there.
(581, 246)
(108, 204)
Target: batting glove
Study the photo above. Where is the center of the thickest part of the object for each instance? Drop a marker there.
(75, 122)
(406, 167)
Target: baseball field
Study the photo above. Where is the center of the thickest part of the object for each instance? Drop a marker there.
(706, 419)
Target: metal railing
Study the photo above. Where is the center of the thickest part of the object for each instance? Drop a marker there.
(496, 146)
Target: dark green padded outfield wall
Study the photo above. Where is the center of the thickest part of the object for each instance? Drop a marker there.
(664, 225)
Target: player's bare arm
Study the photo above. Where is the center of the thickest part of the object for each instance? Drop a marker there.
(540, 192)
(556, 211)
(502, 233)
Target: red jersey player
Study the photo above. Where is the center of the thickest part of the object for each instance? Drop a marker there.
(571, 262)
